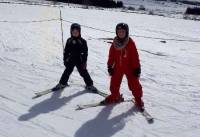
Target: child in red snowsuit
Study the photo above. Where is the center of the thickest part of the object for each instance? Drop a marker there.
(124, 60)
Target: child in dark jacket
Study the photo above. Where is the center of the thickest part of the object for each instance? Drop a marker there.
(75, 55)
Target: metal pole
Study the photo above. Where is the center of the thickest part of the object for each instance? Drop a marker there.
(61, 24)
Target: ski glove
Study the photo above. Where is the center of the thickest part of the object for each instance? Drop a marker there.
(137, 72)
(110, 70)
(65, 61)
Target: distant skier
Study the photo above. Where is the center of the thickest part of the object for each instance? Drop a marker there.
(75, 55)
(124, 60)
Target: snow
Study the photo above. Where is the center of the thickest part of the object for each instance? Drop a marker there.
(165, 8)
(159, 7)
(31, 61)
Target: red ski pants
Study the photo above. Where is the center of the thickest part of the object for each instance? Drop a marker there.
(133, 84)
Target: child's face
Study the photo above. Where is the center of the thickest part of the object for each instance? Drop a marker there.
(75, 33)
(121, 33)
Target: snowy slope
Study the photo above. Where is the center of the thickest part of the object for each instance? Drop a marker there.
(155, 7)
(159, 7)
(31, 61)
(164, 8)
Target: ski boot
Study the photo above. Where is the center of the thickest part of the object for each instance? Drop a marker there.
(111, 99)
(59, 87)
(91, 88)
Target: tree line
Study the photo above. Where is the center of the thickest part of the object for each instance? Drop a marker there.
(100, 3)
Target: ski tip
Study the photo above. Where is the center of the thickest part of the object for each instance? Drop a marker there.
(37, 96)
(79, 108)
(150, 120)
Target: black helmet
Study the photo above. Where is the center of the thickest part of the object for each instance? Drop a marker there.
(123, 26)
(75, 26)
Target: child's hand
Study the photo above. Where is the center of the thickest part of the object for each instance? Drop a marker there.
(137, 72)
(110, 70)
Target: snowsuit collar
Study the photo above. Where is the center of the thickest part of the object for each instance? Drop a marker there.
(76, 37)
(119, 45)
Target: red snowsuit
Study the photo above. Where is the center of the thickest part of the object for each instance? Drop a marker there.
(125, 61)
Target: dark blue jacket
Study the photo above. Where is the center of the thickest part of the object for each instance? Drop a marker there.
(76, 50)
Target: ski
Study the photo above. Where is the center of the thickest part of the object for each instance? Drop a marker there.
(102, 93)
(147, 116)
(39, 94)
(98, 92)
(81, 107)
(144, 112)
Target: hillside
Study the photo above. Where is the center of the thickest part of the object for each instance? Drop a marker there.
(31, 61)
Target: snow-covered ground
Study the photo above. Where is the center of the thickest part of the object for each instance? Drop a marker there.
(31, 61)
(165, 8)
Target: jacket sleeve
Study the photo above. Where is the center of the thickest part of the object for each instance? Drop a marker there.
(84, 51)
(111, 57)
(67, 52)
(136, 60)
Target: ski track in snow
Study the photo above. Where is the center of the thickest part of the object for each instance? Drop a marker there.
(31, 61)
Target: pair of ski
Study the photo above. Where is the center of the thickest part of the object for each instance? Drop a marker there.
(143, 111)
(45, 92)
